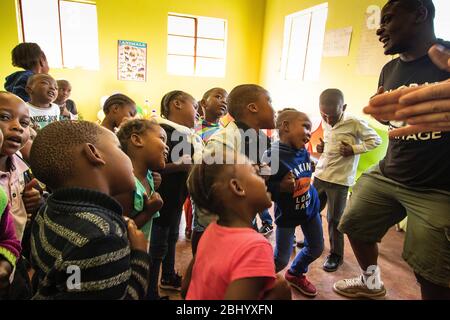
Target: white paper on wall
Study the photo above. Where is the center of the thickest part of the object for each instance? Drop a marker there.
(337, 42)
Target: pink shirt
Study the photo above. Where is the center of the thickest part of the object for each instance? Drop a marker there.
(228, 254)
(13, 182)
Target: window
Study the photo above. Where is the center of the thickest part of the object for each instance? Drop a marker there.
(65, 30)
(196, 46)
(442, 20)
(304, 33)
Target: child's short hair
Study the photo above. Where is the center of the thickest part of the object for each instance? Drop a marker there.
(288, 114)
(53, 155)
(242, 96)
(119, 99)
(169, 97)
(328, 94)
(136, 126)
(62, 83)
(26, 55)
(208, 93)
(35, 76)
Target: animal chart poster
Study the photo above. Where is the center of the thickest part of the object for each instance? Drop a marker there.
(132, 61)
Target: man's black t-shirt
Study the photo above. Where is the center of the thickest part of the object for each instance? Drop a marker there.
(173, 188)
(420, 160)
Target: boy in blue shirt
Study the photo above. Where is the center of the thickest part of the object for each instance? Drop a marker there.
(296, 200)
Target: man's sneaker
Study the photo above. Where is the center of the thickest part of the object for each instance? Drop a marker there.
(301, 283)
(266, 229)
(332, 263)
(173, 283)
(356, 288)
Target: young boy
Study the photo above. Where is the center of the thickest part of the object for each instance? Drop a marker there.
(296, 201)
(28, 56)
(345, 138)
(66, 105)
(43, 90)
(82, 247)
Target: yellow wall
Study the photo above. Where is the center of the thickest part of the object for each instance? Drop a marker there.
(146, 21)
(337, 72)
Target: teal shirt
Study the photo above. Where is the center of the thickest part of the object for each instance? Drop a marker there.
(138, 205)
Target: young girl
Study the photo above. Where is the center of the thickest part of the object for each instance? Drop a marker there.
(296, 200)
(178, 111)
(233, 261)
(117, 109)
(144, 142)
(31, 58)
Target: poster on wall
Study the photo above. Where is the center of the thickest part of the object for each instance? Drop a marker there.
(132, 61)
(337, 42)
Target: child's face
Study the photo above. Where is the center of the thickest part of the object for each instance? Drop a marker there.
(216, 103)
(118, 167)
(331, 110)
(266, 113)
(64, 93)
(254, 186)
(43, 89)
(14, 124)
(156, 149)
(298, 132)
(124, 113)
(189, 112)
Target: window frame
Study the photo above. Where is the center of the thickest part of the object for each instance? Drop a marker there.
(195, 37)
(22, 37)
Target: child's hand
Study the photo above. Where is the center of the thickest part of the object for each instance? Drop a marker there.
(5, 272)
(287, 185)
(321, 146)
(280, 291)
(157, 179)
(136, 237)
(154, 203)
(31, 197)
(346, 150)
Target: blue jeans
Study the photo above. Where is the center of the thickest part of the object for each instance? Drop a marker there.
(312, 231)
(162, 251)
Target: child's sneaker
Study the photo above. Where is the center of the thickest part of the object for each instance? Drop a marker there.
(266, 229)
(171, 284)
(301, 283)
(356, 288)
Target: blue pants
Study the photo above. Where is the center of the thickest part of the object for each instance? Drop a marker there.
(312, 231)
(162, 251)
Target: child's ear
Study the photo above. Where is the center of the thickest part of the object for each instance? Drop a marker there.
(114, 108)
(285, 126)
(28, 89)
(136, 140)
(252, 107)
(236, 188)
(178, 105)
(92, 155)
(344, 107)
(202, 104)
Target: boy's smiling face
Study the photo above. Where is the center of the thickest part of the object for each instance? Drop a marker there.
(43, 89)
(14, 123)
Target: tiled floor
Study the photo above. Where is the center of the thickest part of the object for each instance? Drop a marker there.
(397, 276)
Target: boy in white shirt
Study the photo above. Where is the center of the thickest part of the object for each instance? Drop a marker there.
(43, 90)
(345, 138)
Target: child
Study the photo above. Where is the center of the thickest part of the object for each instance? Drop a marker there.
(117, 109)
(345, 138)
(30, 57)
(178, 111)
(214, 106)
(144, 142)
(9, 244)
(43, 90)
(67, 106)
(82, 248)
(233, 261)
(296, 200)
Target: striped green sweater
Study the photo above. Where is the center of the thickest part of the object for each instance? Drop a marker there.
(80, 249)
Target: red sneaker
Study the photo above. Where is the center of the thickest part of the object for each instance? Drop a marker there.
(301, 283)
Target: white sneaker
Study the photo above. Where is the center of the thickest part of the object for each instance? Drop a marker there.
(356, 288)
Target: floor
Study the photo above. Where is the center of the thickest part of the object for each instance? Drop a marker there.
(397, 276)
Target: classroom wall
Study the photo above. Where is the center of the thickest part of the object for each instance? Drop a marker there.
(146, 21)
(340, 72)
